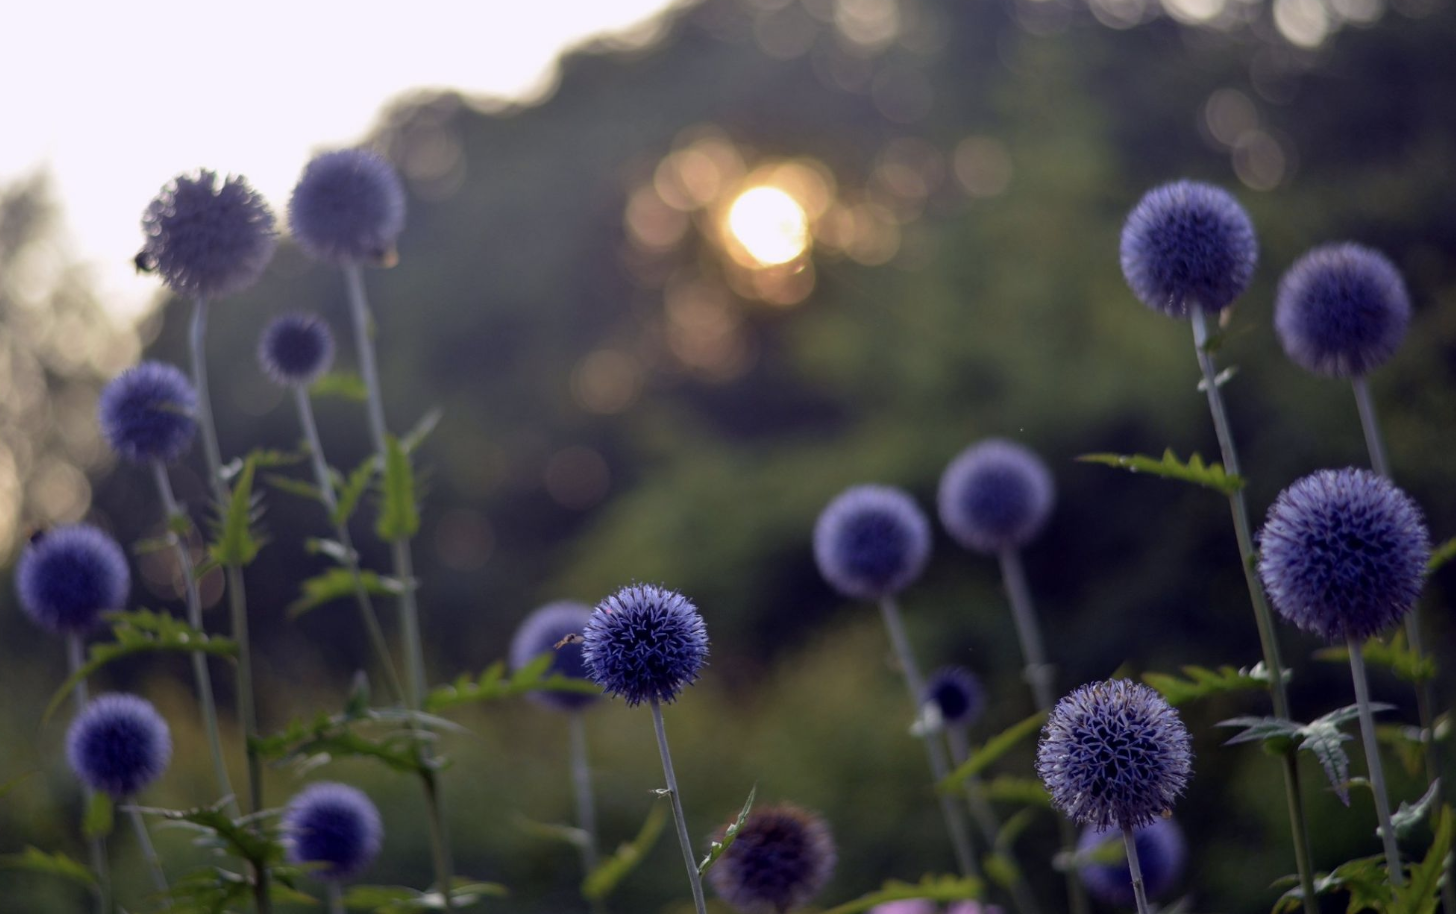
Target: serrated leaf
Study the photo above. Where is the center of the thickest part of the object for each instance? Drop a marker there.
(930, 888)
(1008, 789)
(352, 489)
(345, 385)
(100, 816)
(601, 882)
(729, 835)
(1201, 682)
(995, 747)
(1394, 655)
(236, 544)
(294, 486)
(138, 632)
(493, 684)
(242, 837)
(1260, 729)
(1441, 555)
(1325, 741)
(1409, 815)
(1210, 476)
(399, 516)
(35, 860)
(1322, 738)
(1364, 879)
(338, 584)
(1421, 892)
(328, 737)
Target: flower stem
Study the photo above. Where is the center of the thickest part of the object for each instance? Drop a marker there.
(336, 897)
(1372, 760)
(955, 820)
(586, 813)
(75, 655)
(985, 817)
(149, 853)
(325, 484)
(1263, 618)
(1134, 867)
(194, 618)
(677, 811)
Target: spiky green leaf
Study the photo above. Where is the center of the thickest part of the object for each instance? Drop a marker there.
(345, 385)
(351, 489)
(339, 584)
(1394, 655)
(399, 515)
(716, 848)
(1210, 476)
(1409, 815)
(1201, 682)
(35, 860)
(494, 684)
(1421, 893)
(603, 880)
(995, 747)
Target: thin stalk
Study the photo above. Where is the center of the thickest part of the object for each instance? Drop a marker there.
(439, 838)
(1263, 618)
(985, 817)
(75, 655)
(336, 897)
(325, 482)
(955, 821)
(1134, 867)
(205, 699)
(677, 811)
(586, 813)
(149, 853)
(1372, 759)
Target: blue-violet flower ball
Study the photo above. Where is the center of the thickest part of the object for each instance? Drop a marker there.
(781, 858)
(1343, 554)
(995, 495)
(69, 576)
(118, 745)
(296, 349)
(1114, 754)
(957, 695)
(1188, 244)
(1342, 310)
(539, 634)
(348, 207)
(334, 825)
(208, 240)
(644, 643)
(148, 413)
(1162, 854)
(871, 542)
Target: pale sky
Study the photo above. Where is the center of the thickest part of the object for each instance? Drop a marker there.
(117, 97)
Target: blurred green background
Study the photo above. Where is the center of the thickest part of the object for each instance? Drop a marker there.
(626, 397)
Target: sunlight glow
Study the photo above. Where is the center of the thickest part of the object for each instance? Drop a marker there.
(770, 224)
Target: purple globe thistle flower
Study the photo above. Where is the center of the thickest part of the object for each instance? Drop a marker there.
(335, 825)
(957, 695)
(296, 349)
(207, 240)
(1342, 310)
(644, 643)
(348, 207)
(871, 542)
(780, 860)
(118, 745)
(995, 495)
(69, 576)
(1187, 244)
(148, 413)
(1162, 854)
(971, 907)
(1343, 554)
(539, 634)
(1114, 754)
(905, 906)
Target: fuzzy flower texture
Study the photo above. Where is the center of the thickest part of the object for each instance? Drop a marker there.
(119, 745)
(148, 413)
(1343, 554)
(1114, 754)
(871, 542)
(539, 634)
(69, 576)
(1342, 310)
(995, 495)
(1162, 854)
(334, 825)
(207, 239)
(1188, 244)
(296, 349)
(780, 860)
(348, 207)
(644, 643)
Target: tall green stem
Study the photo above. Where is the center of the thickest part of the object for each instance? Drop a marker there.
(955, 820)
(336, 897)
(149, 853)
(677, 810)
(1263, 618)
(1372, 760)
(586, 812)
(985, 817)
(1135, 869)
(76, 657)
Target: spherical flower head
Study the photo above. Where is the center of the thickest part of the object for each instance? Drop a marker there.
(995, 495)
(1343, 554)
(957, 695)
(148, 413)
(1342, 310)
(1114, 754)
(780, 860)
(296, 349)
(69, 576)
(905, 906)
(1162, 853)
(539, 634)
(1188, 244)
(334, 825)
(644, 643)
(208, 240)
(871, 542)
(348, 207)
(118, 745)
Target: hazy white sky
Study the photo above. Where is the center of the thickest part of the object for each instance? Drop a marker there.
(117, 97)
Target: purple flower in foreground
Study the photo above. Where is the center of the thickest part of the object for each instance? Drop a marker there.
(1342, 310)
(208, 240)
(335, 825)
(1188, 244)
(118, 745)
(644, 643)
(871, 542)
(780, 860)
(348, 207)
(1162, 854)
(539, 634)
(69, 576)
(296, 349)
(995, 495)
(147, 413)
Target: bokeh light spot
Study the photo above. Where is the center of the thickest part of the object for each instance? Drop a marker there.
(770, 225)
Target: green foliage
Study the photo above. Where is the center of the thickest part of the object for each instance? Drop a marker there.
(1441, 555)
(329, 737)
(394, 899)
(494, 684)
(931, 888)
(1210, 476)
(246, 837)
(1202, 682)
(1409, 815)
(983, 757)
(345, 385)
(600, 882)
(35, 860)
(1322, 738)
(294, 486)
(100, 816)
(716, 848)
(235, 541)
(14, 783)
(399, 516)
(337, 584)
(1021, 791)
(1394, 654)
(138, 632)
(351, 489)
(422, 429)
(1421, 892)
